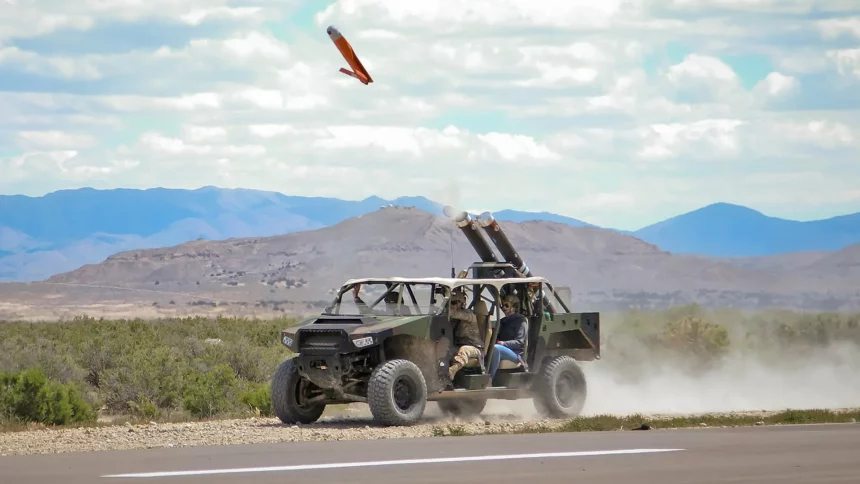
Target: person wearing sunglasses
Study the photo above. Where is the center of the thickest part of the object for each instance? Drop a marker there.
(511, 340)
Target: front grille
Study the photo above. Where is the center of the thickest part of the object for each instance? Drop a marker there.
(321, 339)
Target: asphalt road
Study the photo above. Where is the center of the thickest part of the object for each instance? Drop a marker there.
(790, 454)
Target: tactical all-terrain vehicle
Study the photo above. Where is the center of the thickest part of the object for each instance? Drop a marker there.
(394, 352)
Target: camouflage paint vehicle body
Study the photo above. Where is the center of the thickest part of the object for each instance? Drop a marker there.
(396, 359)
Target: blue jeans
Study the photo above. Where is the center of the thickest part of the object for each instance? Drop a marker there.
(502, 352)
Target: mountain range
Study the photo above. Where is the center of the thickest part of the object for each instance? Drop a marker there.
(297, 272)
(64, 230)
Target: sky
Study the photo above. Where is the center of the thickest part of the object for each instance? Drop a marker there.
(619, 112)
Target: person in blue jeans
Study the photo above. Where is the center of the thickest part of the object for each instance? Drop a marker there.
(511, 340)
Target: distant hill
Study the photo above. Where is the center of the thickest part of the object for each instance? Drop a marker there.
(64, 230)
(519, 216)
(404, 241)
(726, 230)
(604, 269)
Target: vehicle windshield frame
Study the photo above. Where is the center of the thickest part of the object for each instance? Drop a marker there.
(439, 292)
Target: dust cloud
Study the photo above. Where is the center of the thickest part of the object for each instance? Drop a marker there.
(822, 379)
(825, 378)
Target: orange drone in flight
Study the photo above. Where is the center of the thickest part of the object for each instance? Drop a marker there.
(358, 71)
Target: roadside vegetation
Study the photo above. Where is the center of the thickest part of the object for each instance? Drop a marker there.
(607, 423)
(82, 371)
(171, 369)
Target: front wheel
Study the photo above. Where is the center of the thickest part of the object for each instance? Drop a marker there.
(560, 388)
(289, 392)
(397, 393)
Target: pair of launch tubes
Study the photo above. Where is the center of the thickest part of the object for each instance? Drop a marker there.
(469, 227)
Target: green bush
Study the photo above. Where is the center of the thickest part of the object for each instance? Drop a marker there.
(29, 396)
(145, 376)
(211, 393)
(258, 399)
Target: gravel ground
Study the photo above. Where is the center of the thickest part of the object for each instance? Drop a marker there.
(355, 424)
(225, 432)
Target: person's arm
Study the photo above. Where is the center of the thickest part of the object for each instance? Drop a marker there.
(464, 316)
(362, 306)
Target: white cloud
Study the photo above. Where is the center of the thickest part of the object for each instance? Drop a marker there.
(31, 63)
(162, 145)
(576, 106)
(272, 130)
(204, 133)
(814, 133)
(699, 68)
(254, 44)
(777, 85)
(701, 78)
(710, 138)
(460, 15)
(847, 61)
(390, 139)
(836, 27)
(519, 147)
(29, 19)
(803, 61)
(764, 6)
(55, 139)
(776, 90)
(196, 16)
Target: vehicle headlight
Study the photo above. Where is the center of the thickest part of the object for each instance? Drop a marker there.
(287, 341)
(362, 342)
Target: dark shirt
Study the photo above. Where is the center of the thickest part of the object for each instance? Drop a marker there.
(512, 332)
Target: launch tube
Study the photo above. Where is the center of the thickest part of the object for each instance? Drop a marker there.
(469, 227)
(503, 244)
(494, 231)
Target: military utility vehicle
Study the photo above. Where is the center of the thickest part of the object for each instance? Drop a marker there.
(388, 342)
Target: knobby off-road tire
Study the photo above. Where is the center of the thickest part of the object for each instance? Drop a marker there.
(463, 408)
(397, 393)
(286, 387)
(560, 389)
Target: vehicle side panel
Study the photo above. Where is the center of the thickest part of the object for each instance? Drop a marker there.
(568, 334)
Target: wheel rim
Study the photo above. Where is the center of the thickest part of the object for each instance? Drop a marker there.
(301, 394)
(404, 393)
(566, 390)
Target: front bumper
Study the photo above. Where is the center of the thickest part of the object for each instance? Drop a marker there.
(320, 341)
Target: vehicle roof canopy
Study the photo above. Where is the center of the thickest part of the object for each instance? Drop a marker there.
(450, 282)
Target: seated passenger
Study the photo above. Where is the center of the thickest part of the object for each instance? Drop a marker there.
(510, 344)
(467, 336)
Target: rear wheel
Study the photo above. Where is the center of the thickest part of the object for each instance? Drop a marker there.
(560, 388)
(397, 393)
(290, 393)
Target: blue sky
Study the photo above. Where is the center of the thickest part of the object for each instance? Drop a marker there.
(621, 113)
